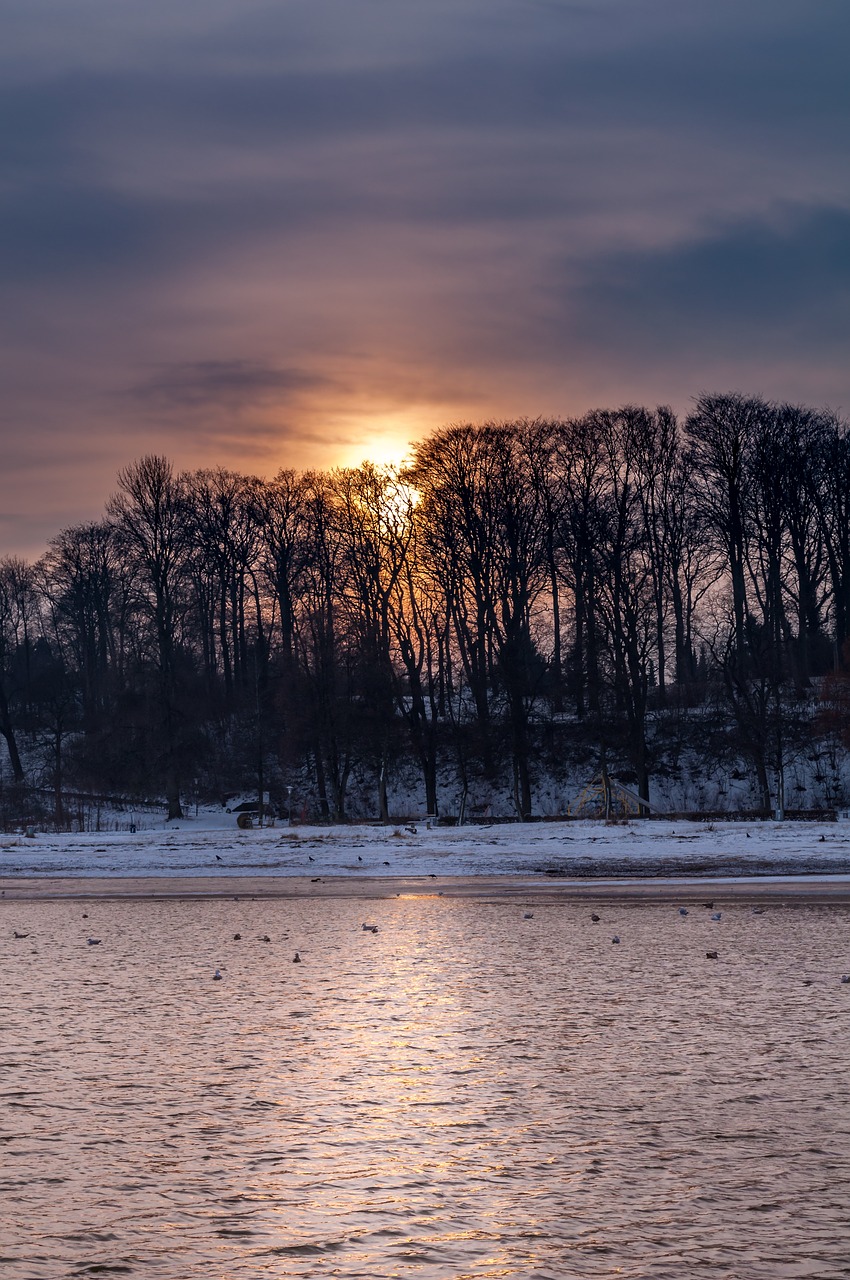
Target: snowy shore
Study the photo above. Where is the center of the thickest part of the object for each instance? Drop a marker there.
(212, 846)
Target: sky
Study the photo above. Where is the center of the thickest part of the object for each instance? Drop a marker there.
(308, 232)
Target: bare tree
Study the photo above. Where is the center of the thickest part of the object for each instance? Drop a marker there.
(721, 430)
(17, 610)
(80, 578)
(830, 491)
(149, 515)
(487, 533)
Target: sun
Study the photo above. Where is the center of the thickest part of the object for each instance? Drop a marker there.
(385, 439)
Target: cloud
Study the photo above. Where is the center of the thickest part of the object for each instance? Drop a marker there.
(230, 384)
(263, 231)
(770, 285)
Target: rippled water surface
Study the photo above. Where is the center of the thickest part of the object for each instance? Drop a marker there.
(467, 1093)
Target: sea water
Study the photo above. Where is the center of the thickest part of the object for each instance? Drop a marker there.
(467, 1092)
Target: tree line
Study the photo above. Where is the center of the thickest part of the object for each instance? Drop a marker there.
(514, 589)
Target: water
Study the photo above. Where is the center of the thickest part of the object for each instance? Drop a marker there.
(467, 1093)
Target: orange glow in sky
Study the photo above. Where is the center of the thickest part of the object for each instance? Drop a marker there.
(261, 236)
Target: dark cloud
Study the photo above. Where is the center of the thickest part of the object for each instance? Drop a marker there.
(232, 384)
(768, 286)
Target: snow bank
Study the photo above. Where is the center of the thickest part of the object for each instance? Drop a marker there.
(212, 844)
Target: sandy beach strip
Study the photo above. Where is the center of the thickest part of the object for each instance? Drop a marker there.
(833, 890)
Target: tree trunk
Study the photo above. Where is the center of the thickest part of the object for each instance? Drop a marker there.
(762, 780)
(172, 793)
(321, 785)
(383, 802)
(9, 734)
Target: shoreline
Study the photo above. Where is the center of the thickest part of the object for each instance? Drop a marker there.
(797, 889)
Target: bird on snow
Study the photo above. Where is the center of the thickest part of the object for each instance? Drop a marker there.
(21, 935)
(93, 942)
(683, 911)
(845, 977)
(711, 955)
(715, 915)
(359, 859)
(529, 915)
(615, 938)
(217, 976)
(595, 918)
(411, 829)
(369, 928)
(296, 959)
(236, 937)
(265, 938)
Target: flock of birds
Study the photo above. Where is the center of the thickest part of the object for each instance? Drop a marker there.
(716, 916)
(367, 927)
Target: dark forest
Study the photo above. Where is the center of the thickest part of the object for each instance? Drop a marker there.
(596, 598)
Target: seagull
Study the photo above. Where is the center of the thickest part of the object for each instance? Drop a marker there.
(93, 942)
(296, 959)
(217, 976)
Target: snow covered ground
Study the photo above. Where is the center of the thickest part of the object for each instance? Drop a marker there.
(211, 844)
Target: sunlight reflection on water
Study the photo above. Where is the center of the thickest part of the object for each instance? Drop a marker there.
(467, 1093)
